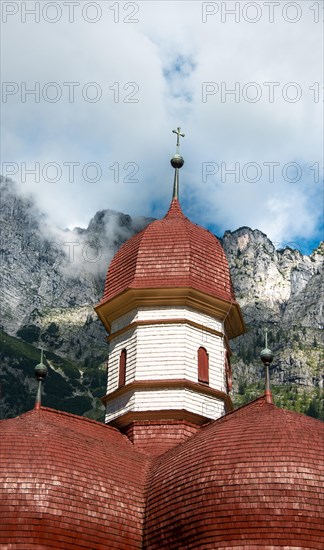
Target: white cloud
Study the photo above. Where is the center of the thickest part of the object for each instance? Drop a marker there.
(162, 61)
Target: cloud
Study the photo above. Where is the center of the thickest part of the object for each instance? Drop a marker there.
(168, 69)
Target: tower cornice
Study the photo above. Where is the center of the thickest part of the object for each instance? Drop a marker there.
(226, 311)
(175, 321)
(128, 416)
(166, 384)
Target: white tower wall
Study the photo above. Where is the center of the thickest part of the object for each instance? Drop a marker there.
(162, 345)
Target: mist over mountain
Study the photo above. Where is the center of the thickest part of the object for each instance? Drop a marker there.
(52, 278)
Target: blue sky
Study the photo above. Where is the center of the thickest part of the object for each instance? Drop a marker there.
(112, 80)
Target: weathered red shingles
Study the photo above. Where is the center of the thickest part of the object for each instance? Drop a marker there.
(68, 482)
(252, 479)
(155, 437)
(168, 253)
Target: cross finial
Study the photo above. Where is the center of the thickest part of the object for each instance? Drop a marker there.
(179, 133)
(177, 162)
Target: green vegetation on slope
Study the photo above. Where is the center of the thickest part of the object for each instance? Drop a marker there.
(76, 388)
(309, 401)
(68, 387)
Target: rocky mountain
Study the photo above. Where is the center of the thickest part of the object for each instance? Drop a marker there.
(51, 278)
(282, 290)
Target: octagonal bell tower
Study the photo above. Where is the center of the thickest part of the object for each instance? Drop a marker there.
(170, 310)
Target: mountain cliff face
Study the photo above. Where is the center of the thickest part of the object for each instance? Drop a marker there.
(282, 290)
(51, 279)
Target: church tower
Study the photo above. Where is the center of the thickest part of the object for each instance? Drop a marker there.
(170, 311)
(252, 478)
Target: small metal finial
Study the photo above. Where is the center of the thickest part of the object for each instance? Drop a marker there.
(177, 162)
(179, 133)
(266, 356)
(40, 373)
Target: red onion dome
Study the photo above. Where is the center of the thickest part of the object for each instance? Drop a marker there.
(168, 253)
(68, 482)
(251, 479)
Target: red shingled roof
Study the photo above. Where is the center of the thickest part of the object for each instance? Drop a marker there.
(68, 482)
(172, 252)
(252, 479)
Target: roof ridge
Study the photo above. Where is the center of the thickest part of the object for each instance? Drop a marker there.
(138, 237)
(141, 235)
(261, 400)
(69, 415)
(200, 430)
(175, 210)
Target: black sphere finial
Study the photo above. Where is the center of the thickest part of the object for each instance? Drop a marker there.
(177, 161)
(40, 369)
(40, 373)
(266, 356)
